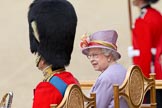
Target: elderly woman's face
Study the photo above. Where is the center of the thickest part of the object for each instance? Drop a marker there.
(97, 58)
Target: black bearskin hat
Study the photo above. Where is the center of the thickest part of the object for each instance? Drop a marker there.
(52, 26)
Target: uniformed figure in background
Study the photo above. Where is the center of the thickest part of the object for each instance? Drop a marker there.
(52, 26)
(146, 36)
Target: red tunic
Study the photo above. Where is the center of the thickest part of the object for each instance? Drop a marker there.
(47, 93)
(158, 66)
(146, 34)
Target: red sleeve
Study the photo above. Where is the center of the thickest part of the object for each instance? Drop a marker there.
(46, 94)
(142, 41)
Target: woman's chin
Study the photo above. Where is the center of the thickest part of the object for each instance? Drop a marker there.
(96, 69)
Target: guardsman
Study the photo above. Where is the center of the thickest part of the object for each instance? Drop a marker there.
(52, 27)
(146, 40)
(146, 34)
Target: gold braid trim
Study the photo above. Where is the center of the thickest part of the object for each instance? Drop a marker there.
(105, 44)
(48, 73)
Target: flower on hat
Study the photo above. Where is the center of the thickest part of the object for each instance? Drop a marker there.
(84, 40)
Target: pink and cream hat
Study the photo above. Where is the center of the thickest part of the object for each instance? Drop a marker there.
(101, 39)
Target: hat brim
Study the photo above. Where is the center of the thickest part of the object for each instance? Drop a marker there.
(85, 50)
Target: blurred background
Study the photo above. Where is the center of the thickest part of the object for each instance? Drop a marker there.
(18, 72)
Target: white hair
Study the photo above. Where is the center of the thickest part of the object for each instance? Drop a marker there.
(108, 52)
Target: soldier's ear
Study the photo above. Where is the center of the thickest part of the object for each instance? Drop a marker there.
(42, 62)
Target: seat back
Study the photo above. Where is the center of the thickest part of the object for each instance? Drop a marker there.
(74, 98)
(134, 89)
(6, 100)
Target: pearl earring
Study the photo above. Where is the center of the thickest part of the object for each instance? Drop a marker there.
(109, 60)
